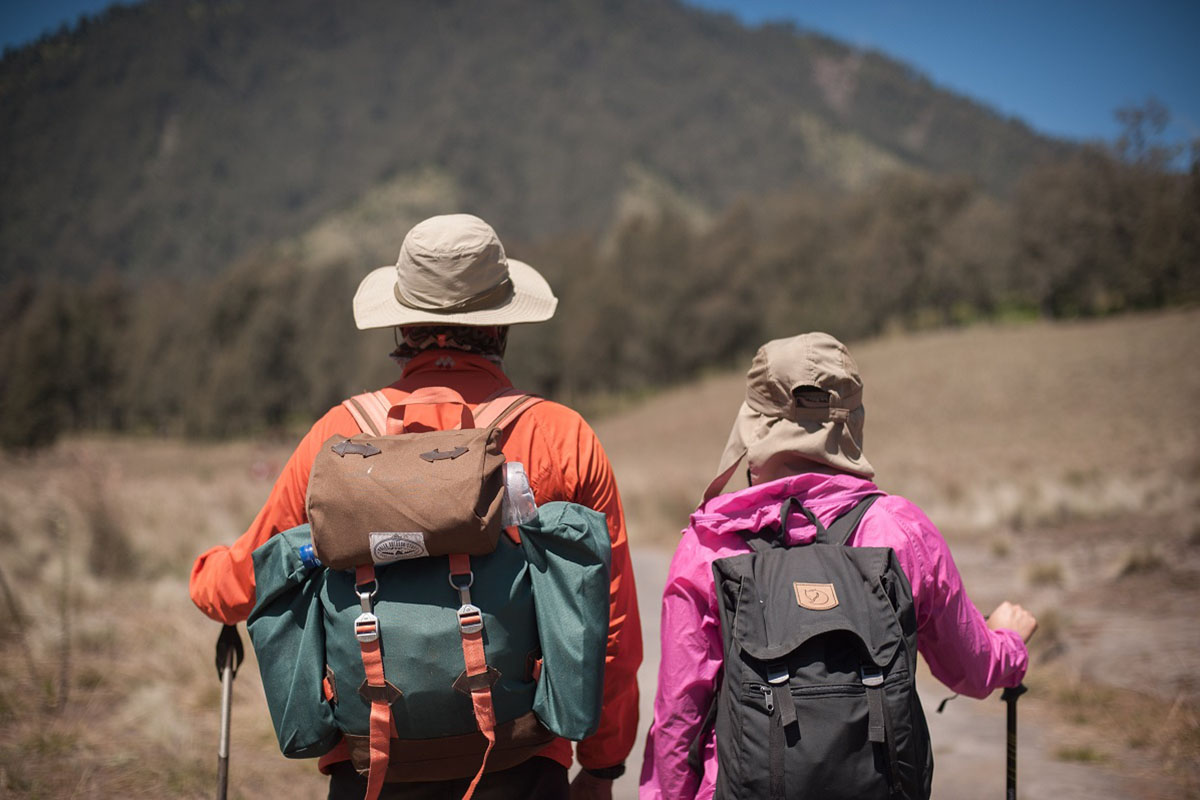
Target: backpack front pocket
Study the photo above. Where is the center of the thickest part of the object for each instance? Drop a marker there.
(822, 746)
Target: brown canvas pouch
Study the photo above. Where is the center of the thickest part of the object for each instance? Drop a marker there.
(383, 498)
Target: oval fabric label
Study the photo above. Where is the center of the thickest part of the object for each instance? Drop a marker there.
(389, 546)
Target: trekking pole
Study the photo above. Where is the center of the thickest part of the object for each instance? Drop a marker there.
(1009, 696)
(229, 657)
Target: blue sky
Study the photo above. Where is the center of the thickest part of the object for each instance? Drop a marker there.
(1063, 66)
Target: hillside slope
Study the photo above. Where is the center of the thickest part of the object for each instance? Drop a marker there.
(174, 136)
(985, 428)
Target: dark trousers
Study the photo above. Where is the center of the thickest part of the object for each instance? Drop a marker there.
(535, 779)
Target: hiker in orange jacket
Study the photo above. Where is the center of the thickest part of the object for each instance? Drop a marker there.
(451, 296)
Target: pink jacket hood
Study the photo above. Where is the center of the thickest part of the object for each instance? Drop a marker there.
(758, 507)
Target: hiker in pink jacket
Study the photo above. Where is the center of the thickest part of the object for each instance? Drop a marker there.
(800, 431)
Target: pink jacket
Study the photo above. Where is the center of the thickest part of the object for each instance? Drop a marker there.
(952, 636)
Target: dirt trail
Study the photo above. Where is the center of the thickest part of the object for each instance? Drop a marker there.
(968, 738)
(969, 754)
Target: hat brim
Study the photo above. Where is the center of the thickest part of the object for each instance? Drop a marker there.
(376, 306)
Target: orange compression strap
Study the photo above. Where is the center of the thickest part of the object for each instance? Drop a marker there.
(376, 688)
(478, 677)
(327, 688)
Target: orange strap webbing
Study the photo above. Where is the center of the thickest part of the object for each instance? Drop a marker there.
(366, 629)
(479, 679)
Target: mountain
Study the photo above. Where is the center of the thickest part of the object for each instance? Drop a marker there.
(177, 136)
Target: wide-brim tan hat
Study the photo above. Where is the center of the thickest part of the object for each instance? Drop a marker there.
(452, 270)
(803, 404)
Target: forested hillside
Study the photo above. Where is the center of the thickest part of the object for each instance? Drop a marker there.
(192, 191)
(175, 136)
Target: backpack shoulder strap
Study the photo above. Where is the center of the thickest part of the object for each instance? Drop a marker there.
(370, 410)
(503, 408)
(842, 528)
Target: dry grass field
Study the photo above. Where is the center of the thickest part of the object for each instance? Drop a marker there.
(1062, 461)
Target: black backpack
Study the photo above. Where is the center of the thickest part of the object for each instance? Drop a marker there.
(819, 696)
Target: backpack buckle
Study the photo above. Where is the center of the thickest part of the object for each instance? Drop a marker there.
(871, 675)
(462, 582)
(470, 618)
(365, 598)
(366, 627)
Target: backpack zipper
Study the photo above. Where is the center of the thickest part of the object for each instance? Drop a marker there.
(768, 697)
(828, 690)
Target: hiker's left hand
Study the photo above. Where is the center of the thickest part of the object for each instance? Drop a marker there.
(589, 787)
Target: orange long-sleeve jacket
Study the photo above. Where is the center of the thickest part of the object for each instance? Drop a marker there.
(564, 461)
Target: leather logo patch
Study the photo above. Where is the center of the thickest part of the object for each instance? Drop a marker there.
(816, 596)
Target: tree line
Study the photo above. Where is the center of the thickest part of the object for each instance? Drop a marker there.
(175, 136)
(657, 300)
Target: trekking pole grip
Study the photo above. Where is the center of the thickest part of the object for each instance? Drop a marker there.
(229, 657)
(230, 651)
(1010, 696)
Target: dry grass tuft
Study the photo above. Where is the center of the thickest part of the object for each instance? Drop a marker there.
(1000, 548)
(1047, 573)
(1083, 754)
(1143, 559)
(110, 553)
(8, 534)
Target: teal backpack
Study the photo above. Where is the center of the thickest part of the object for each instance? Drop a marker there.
(437, 667)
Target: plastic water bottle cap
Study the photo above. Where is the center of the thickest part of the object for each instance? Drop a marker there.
(309, 558)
